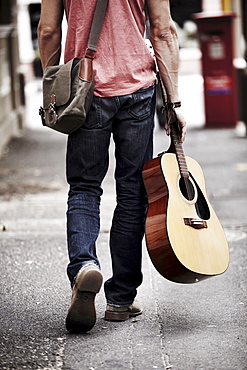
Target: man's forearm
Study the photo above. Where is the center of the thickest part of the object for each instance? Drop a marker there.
(50, 51)
(164, 40)
(166, 53)
(49, 32)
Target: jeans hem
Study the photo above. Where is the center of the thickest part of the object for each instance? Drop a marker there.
(119, 305)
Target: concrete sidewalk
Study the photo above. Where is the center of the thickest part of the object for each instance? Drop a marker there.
(198, 326)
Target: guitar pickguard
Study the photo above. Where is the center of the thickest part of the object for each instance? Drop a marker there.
(201, 205)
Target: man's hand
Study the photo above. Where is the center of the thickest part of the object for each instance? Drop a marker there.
(181, 123)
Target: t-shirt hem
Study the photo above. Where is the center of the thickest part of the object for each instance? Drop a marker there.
(106, 93)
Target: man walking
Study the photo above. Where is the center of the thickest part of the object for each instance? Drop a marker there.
(123, 107)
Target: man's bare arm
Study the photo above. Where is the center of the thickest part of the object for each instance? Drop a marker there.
(164, 39)
(49, 32)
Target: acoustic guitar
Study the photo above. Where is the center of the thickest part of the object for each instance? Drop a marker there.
(184, 237)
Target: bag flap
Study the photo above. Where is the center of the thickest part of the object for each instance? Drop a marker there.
(57, 81)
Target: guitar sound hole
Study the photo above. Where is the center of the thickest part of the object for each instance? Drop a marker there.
(187, 188)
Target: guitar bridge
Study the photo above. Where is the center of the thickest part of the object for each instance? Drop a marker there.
(196, 223)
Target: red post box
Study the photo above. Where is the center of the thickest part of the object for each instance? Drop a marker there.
(220, 87)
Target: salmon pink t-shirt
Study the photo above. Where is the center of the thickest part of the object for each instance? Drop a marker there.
(123, 63)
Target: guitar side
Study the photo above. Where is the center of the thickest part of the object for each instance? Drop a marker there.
(181, 252)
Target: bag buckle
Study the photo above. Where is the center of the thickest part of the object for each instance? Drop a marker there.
(52, 109)
(42, 115)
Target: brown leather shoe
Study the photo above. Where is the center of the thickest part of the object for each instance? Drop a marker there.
(81, 314)
(122, 313)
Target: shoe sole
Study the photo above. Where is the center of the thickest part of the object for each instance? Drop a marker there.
(82, 315)
(120, 316)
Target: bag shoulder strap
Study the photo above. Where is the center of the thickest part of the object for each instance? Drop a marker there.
(98, 19)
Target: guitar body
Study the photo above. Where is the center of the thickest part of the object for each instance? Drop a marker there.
(184, 237)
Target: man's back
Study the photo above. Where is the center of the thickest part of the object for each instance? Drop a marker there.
(123, 63)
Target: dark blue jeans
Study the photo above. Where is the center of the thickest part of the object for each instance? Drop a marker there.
(130, 119)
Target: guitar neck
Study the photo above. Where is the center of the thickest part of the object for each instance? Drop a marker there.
(175, 138)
